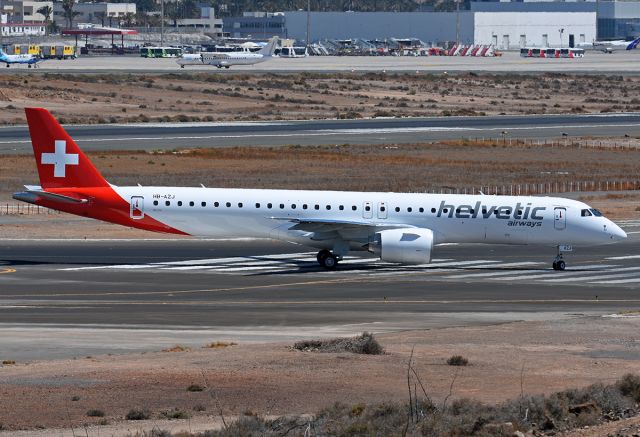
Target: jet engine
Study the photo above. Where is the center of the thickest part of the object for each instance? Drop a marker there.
(405, 246)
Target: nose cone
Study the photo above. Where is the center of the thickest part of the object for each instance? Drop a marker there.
(616, 233)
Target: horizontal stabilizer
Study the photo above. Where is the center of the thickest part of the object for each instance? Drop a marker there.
(31, 196)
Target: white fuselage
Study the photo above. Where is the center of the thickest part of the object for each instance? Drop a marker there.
(222, 59)
(18, 59)
(209, 212)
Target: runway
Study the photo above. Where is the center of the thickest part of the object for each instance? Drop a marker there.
(76, 297)
(168, 136)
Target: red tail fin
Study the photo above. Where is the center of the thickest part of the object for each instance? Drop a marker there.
(61, 163)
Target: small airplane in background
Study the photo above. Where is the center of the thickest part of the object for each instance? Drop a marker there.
(226, 60)
(611, 46)
(29, 60)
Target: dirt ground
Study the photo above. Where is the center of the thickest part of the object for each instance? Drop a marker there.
(272, 379)
(112, 98)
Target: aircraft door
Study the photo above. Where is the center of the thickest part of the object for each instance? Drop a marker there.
(367, 210)
(560, 218)
(382, 210)
(572, 41)
(136, 210)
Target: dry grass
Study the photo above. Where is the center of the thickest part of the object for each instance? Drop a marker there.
(219, 344)
(109, 98)
(177, 348)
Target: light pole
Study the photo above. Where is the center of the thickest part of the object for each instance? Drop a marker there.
(457, 22)
(161, 23)
(308, 22)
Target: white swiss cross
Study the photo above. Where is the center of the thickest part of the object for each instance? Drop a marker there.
(60, 159)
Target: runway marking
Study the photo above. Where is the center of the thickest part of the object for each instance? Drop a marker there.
(620, 281)
(624, 257)
(6, 271)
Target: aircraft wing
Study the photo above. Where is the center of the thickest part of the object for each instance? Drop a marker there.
(340, 226)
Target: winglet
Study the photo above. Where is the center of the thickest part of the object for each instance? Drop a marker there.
(61, 163)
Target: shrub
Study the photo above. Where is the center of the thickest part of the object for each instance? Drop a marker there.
(629, 386)
(457, 360)
(137, 414)
(95, 413)
(175, 414)
(362, 344)
(195, 387)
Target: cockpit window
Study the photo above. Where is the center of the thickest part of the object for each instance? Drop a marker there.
(586, 213)
(596, 212)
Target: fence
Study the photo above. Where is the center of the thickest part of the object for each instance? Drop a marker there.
(24, 209)
(545, 188)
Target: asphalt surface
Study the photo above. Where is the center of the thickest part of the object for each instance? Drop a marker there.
(75, 297)
(168, 136)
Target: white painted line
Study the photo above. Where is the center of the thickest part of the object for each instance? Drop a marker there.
(624, 257)
(620, 281)
(546, 273)
(612, 275)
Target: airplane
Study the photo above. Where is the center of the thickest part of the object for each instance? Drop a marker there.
(610, 46)
(19, 59)
(228, 59)
(399, 228)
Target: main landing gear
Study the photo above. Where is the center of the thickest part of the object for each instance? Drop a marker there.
(558, 262)
(327, 260)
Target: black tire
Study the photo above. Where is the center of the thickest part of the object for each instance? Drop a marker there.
(330, 262)
(322, 255)
(555, 265)
(561, 265)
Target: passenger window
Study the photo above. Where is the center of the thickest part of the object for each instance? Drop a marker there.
(167, 203)
(409, 209)
(354, 208)
(317, 207)
(305, 206)
(155, 203)
(282, 206)
(269, 206)
(240, 205)
(191, 203)
(228, 204)
(367, 208)
(341, 207)
(446, 210)
(257, 205)
(433, 210)
(179, 202)
(397, 209)
(421, 209)
(328, 207)
(293, 206)
(203, 204)
(471, 211)
(383, 209)
(216, 204)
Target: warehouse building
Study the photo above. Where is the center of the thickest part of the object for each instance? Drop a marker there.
(505, 30)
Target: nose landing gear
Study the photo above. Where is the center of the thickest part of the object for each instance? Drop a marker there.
(558, 262)
(327, 260)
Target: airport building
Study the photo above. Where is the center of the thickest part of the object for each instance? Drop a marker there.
(255, 25)
(104, 14)
(23, 11)
(505, 30)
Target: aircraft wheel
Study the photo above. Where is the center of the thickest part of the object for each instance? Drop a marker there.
(322, 255)
(330, 262)
(559, 265)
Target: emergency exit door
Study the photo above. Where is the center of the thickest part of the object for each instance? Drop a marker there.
(560, 218)
(137, 207)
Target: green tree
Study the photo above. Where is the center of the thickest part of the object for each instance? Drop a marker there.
(69, 13)
(47, 11)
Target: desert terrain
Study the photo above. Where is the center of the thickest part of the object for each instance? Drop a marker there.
(184, 96)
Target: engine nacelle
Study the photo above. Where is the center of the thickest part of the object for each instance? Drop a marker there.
(405, 246)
